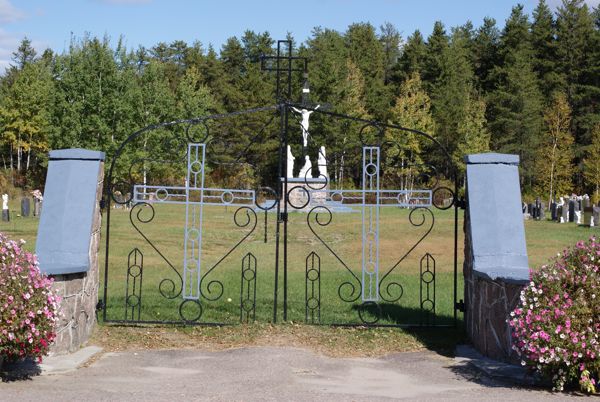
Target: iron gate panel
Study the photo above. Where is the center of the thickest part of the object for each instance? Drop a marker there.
(356, 246)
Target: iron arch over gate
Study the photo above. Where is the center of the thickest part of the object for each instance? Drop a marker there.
(209, 222)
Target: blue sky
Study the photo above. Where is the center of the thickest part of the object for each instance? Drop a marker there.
(146, 22)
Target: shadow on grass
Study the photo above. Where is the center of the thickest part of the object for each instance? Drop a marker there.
(19, 370)
(439, 333)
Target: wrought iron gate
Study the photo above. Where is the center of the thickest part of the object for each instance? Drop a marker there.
(357, 245)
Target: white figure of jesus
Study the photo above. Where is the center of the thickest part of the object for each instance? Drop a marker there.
(304, 123)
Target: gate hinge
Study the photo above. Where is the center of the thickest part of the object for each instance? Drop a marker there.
(102, 203)
(100, 305)
(283, 217)
(460, 306)
(461, 203)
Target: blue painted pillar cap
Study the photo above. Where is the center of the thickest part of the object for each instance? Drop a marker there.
(496, 218)
(65, 229)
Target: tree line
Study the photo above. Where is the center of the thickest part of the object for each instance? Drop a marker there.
(530, 87)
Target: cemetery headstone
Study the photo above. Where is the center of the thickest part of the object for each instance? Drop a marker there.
(5, 212)
(587, 216)
(596, 216)
(25, 206)
(553, 210)
(565, 214)
(541, 212)
(571, 211)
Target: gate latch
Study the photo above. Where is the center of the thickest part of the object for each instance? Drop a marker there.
(100, 305)
(460, 306)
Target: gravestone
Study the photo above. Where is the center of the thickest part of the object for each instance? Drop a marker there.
(25, 206)
(496, 265)
(596, 216)
(531, 210)
(565, 213)
(5, 212)
(553, 211)
(541, 212)
(587, 216)
(571, 211)
(68, 240)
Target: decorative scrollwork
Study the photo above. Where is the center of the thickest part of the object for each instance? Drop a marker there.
(185, 315)
(133, 285)
(372, 308)
(248, 288)
(387, 291)
(137, 213)
(436, 197)
(353, 292)
(427, 288)
(213, 290)
(312, 289)
(302, 189)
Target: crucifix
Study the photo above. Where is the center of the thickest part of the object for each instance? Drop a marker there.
(194, 196)
(370, 199)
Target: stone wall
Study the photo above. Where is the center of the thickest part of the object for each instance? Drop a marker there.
(495, 265)
(79, 292)
(488, 305)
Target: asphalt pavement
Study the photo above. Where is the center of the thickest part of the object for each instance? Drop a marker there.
(265, 374)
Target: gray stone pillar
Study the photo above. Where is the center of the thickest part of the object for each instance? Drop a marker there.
(496, 265)
(68, 240)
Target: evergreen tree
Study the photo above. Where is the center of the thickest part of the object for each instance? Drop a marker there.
(591, 164)
(543, 41)
(367, 53)
(515, 113)
(390, 39)
(472, 132)
(485, 54)
(576, 46)
(555, 156)
(436, 48)
(412, 58)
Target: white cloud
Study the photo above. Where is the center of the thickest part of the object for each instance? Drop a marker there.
(9, 13)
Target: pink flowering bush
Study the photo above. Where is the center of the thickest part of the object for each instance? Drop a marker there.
(28, 305)
(557, 321)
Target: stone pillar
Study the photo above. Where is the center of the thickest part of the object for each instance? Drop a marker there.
(69, 239)
(496, 266)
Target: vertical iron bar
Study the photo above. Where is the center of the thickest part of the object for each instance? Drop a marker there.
(107, 206)
(279, 196)
(455, 247)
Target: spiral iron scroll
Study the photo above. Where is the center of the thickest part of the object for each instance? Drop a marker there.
(392, 291)
(353, 292)
(214, 288)
(167, 287)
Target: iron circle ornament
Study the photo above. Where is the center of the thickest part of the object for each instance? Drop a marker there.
(135, 271)
(302, 206)
(427, 277)
(313, 274)
(370, 307)
(227, 197)
(428, 305)
(167, 289)
(189, 319)
(313, 303)
(197, 132)
(133, 300)
(266, 206)
(322, 181)
(123, 188)
(436, 197)
(161, 194)
(249, 275)
(247, 305)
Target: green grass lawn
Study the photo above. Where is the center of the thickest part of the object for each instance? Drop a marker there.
(342, 235)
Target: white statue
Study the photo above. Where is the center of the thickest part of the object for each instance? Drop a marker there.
(306, 168)
(290, 162)
(4, 201)
(304, 123)
(322, 162)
